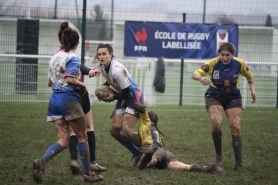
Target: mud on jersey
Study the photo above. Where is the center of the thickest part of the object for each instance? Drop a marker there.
(61, 65)
(119, 78)
(224, 78)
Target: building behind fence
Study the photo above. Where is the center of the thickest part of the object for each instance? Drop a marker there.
(27, 81)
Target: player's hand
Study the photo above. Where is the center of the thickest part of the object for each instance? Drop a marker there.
(94, 72)
(109, 98)
(254, 97)
(204, 81)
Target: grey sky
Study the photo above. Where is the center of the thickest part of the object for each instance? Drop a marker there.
(228, 7)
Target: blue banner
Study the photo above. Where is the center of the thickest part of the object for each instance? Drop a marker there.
(177, 40)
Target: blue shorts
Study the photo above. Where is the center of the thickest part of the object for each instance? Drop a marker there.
(164, 157)
(224, 100)
(64, 105)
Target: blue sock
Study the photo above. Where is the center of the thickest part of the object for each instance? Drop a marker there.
(84, 156)
(129, 145)
(51, 152)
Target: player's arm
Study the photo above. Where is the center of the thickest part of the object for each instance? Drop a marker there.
(106, 83)
(153, 162)
(72, 68)
(90, 72)
(251, 84)
(84, 70)
(249, 76)
(75, 82)
(122, 94)
(200, 73)
(49, 82)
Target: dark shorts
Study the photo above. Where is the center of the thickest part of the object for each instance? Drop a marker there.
(224, 100)
(86, 105)
(164, 158)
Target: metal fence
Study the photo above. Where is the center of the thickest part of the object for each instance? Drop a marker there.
(14, 88)
(27, 82)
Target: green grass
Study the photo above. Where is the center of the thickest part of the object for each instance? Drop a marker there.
(25, 135)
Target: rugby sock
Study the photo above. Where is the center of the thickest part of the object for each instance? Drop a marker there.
(208, 169)
(129, 145)
(217, 140)
(73, 141)
(84, 152)
(92, 146)
(51, 152)
(237, 146)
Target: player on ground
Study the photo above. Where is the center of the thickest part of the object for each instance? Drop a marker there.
(164, 159)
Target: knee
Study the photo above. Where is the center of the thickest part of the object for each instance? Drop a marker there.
(127, 135)
(216, 121)
(235, 129)
(216, 118)
(63, 142)
(115, 132)
(235, 125)
(216, 128)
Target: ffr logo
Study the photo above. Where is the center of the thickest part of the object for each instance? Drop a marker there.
(140, 48)
(141, 37)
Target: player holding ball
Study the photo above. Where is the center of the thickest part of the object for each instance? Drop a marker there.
(129, 106)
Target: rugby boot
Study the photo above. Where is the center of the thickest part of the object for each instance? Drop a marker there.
(217, 169)
(97, 168)
(135, 160)
(37, 170)
(93, 177)
(197, 168)
(218, 160)
(239, 167)
(74, 167)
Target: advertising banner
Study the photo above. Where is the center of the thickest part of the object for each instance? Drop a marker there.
(177, 40)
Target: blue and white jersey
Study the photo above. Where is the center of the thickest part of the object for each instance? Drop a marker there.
(61, 65)
(119, 78)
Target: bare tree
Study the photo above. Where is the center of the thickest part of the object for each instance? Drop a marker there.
(268, 21)
(224, 19)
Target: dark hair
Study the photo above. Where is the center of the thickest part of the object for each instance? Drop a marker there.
(154, 118)
(63, 26)
(70, 39)
(227, 46)
(107, 46)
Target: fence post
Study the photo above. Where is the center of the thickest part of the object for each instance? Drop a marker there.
(277, 91)
(182, 66)
(83, 34)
